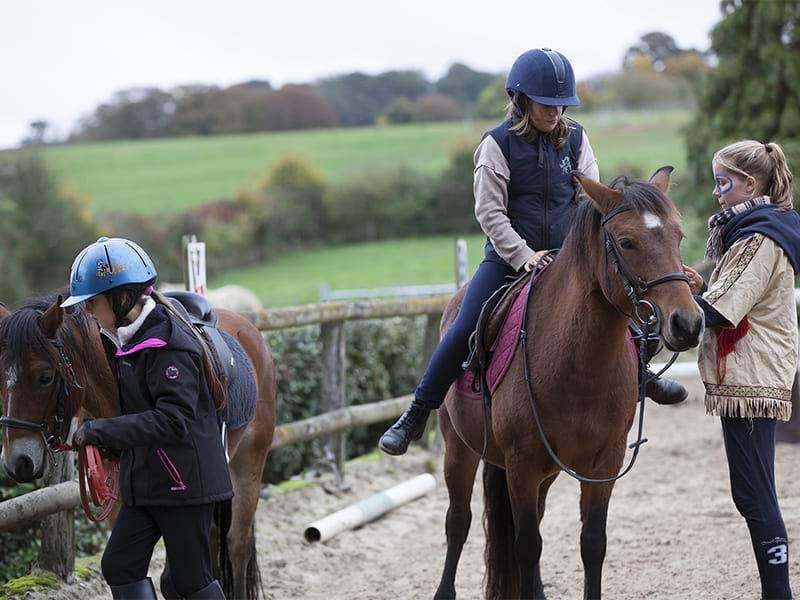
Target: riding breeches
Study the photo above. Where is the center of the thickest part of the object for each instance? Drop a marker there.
(445, 364)
(185, 530)
(750, 449)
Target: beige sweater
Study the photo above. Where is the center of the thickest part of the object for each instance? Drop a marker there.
(491, 177)
(755, 279)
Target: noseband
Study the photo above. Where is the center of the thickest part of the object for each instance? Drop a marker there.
(59, 426)
(635, 287)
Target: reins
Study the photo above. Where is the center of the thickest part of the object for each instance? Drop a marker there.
(103, 489)
(650, 323)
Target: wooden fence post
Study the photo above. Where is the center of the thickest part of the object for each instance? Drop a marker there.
(57, 554)
(333, 382)
(462, 269)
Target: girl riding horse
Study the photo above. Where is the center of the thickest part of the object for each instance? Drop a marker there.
(525, 200)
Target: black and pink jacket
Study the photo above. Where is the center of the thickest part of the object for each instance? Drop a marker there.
(168, 429)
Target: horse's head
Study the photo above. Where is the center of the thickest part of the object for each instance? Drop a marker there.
(638, 256)
(36, 387)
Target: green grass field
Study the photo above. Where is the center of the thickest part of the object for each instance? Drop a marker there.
(169, 174)
(296, 278)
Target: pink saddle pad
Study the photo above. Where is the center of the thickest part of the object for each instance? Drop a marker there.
(504, 348)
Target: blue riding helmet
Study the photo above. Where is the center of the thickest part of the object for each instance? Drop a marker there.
(107, 264)
(545, 76)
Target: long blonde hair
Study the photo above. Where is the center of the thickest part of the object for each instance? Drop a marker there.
(521, 117)
(766, 163)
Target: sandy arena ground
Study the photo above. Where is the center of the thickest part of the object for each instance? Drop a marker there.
(673, 531)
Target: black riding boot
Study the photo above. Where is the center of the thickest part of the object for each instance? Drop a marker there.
(409, 427)
(138, 590)
(664, 391)
(213, 591)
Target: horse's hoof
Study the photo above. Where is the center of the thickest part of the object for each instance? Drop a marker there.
(445, 595)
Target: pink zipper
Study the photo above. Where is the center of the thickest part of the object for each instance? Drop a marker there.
(172, 471)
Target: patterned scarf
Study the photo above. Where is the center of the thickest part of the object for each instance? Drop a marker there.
(717, 222)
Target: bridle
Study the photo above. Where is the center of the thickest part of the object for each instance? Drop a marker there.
(95, 485)
(635, 287)
(55, 428)
(650, 323)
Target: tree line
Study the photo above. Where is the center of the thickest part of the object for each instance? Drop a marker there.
(253, 106)
(655, 72)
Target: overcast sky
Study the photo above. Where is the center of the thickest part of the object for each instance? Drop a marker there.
(59, 59)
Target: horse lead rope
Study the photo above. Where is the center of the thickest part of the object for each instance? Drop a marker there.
(103, 489)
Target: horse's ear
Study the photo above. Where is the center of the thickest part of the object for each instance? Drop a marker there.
(51, 319)
(660, 178)
(603, 197)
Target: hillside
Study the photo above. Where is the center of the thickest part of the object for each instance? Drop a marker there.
(169, 174)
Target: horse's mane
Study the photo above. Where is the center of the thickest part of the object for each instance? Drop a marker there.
(639, 195)
(20, 333)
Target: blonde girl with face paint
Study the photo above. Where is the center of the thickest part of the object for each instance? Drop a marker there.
(748, 354)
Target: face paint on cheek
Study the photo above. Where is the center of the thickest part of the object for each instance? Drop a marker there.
(723, 184)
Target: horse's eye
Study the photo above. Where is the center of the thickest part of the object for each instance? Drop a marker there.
(46, 378)
(626, 244)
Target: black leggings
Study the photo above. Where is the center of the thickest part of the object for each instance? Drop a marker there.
(750, 448)
(185, 531)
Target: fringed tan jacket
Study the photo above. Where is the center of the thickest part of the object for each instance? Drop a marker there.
(754, 279)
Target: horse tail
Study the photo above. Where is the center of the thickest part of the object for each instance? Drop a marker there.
(224, 569)
(253, 574)
(501, 579)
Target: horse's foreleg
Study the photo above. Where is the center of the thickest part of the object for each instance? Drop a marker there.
(460, 465)
(543, 489)
(524, 488)
(594, 509)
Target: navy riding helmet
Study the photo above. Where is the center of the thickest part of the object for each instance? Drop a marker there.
(108, 264)
(545, 76)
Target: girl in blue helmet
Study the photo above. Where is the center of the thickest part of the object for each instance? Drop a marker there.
(172, 465)
(525, 201)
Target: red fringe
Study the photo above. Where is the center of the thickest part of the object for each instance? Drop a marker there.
(727, 344)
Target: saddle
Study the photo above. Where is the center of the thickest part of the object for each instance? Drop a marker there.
(197, 310)
(490, 321)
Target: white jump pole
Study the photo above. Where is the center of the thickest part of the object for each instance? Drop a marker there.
(370, 508)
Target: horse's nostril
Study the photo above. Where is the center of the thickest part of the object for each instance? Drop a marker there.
(23, 468)
(684, 329)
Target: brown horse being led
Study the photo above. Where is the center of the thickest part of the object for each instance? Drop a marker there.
(584, 382)
(40, 379)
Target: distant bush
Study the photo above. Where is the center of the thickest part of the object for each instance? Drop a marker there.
(400, 110)
(437, 107)
(43, 225)
(379, 205)
(493, 99)
(292, 193)
(453, 199)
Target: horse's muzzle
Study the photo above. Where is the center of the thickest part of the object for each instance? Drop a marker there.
(683, 331)
(20, 461)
